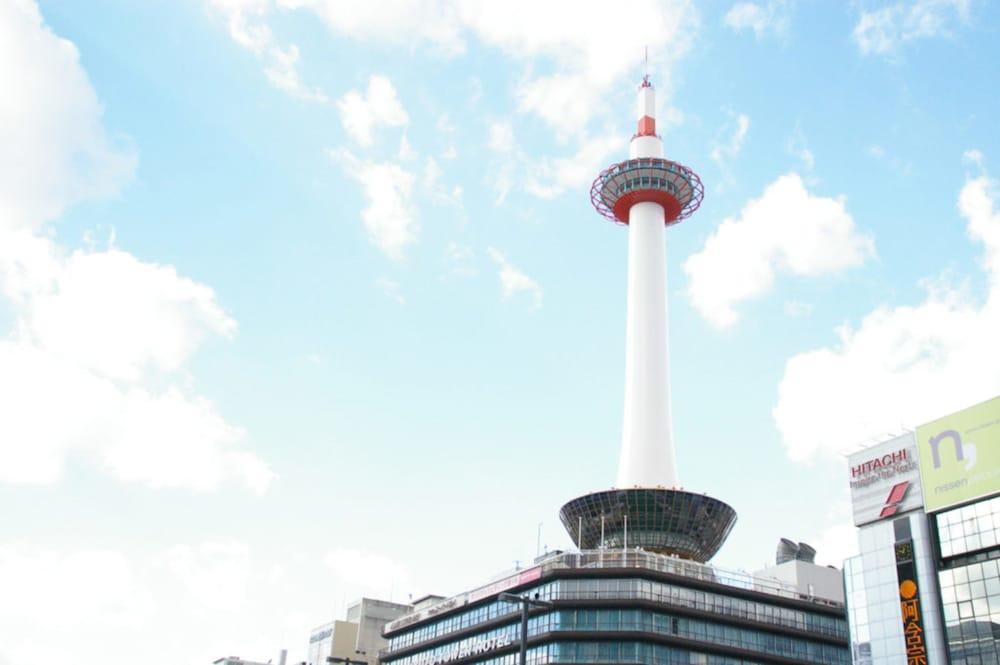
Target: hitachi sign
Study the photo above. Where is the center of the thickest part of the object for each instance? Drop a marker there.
(878, 463)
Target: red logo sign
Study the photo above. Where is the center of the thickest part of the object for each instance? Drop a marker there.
(895, 497)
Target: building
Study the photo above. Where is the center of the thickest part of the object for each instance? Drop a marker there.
(926, 586)
(235, 660)
(358, 638)
(640, 589)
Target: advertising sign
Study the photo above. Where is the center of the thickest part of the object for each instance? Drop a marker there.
(909, 604)
(884, 479)
(960, 456)
(523, 577)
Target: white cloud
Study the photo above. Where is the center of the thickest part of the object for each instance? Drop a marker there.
(112, 604)
(549, 177)
(772, 17)
(728, 150)
(362, 113)
(579, 69)
(390, 288)
(725, 151)
(788, 230)
(513, 281)
(111, 313)
(247, 21)
(368, 570)
(902, 365)
(389, 217)
(835, 544)
(406, 152)
(216, 575)
(798, 147)
(883, 31)
(434, 188)
(282, 71)
(501, 136)
(399, 22)
(55, 150)
(93, 366)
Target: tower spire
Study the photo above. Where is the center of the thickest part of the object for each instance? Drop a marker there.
(647, 193)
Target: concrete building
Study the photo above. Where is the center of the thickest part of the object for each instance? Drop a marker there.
(640, 589)
(359, 636)
(926, 585)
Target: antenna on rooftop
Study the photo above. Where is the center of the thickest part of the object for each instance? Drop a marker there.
(645, 76)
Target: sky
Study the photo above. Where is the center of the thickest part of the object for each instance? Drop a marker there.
(304, 300)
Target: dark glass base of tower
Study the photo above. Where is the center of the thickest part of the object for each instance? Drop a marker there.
(687, 525)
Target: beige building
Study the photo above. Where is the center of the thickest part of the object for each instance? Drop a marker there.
(358, 638)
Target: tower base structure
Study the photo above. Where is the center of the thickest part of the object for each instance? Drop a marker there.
(667, 521)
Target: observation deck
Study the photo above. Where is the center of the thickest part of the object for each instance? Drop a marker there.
(620, 186)
(666, 521)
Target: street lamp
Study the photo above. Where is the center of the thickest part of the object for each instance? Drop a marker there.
(345, 661)
(525, 602)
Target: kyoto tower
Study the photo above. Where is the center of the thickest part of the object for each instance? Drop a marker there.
(647, 509)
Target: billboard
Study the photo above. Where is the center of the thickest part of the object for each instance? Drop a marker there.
(960, 456)
(884, 479)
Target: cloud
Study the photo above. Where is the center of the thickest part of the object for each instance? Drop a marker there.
(549, 177)
(883, 31)
(390, 288)
(216, 575)
(113, 604)
(772, 17)
(577, 70)
(402, 23)
(501, 136)
(513, 281)
(724, 152)
(368, 570)
(55, 149)
(438, 193)
(728, 150)
(787, 230)
(247, 21)
(836, 543)
(93, 366)
(389, 217)
(903, 364)
(362, 113)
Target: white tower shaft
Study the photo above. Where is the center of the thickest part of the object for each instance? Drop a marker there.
(647, 454)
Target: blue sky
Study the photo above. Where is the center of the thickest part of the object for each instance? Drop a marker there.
(302, 300)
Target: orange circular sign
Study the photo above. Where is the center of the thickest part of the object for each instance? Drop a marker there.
(908, 589)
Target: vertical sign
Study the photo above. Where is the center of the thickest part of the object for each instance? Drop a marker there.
(909, 604)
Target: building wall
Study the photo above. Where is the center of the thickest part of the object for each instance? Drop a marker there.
(371, 616)
(626, 618)
(809, 579)
(873, 602)
(969, 539)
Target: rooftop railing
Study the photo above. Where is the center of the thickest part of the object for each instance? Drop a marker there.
(638, 559)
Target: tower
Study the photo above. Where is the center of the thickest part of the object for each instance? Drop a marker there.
(647, 509)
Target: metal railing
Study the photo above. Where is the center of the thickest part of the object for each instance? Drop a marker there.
(637, 559)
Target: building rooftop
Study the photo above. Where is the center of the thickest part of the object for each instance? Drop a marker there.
(618, 559)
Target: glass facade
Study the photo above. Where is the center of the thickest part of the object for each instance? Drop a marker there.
(970, 528)
(872, 587)
(970, 581)
(634, 589)
(617, 653)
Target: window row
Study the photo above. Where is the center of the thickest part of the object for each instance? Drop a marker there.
(632, 589)
(969, 528)
(616, 653)
(625, 620)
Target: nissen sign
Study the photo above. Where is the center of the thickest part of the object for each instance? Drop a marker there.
(884, 479)
(960, 456)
